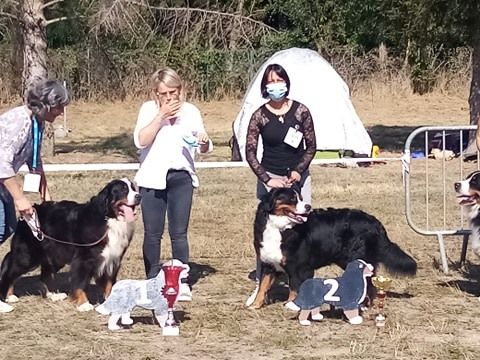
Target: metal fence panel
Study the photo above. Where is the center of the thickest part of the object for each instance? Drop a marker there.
(434, 158)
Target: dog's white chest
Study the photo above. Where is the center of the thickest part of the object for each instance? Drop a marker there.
(270, 251)
(119, 235)
(475, 236)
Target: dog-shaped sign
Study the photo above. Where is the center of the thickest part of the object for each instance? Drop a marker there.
(148, 294)
(346, 292)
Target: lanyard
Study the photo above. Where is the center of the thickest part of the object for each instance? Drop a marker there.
(37, 141)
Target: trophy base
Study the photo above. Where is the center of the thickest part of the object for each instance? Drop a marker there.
(170, 331)
(380, 320)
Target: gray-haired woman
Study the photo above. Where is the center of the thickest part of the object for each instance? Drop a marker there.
(21, 130)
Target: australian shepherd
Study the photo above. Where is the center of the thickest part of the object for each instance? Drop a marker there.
(468, 195)
(91, 237)
(290, 237)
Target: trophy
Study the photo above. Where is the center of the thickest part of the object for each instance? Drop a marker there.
(170, 291)
(382, 284)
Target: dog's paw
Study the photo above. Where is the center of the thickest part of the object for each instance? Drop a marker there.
(126, 320)
(114, 327)
(4, 307)
(305, 322)
(476, 251)
(11, 299)
(356, 320)
(317, 317)
(252, 297)
(85, 307)
(292, 306)
(101, 310)
(56, 296)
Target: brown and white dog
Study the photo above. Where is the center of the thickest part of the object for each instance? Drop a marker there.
(91, 237)
(468, 195)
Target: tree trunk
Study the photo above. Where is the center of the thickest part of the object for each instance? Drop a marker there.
(234, 34)
(474, 98)
(35, 57)
(16, 59)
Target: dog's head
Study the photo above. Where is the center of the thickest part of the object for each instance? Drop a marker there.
(286, 205)
(119, 199)
(360, 266)
(468, 190)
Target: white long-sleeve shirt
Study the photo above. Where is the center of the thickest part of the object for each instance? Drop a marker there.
(168, 151)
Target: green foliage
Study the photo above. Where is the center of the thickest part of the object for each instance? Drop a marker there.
(420, 34)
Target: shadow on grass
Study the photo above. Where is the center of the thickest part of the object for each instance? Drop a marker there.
(119, 144)
(392, 138)
(471, 283)
(388, 138)
(31, 285)
(199, 271)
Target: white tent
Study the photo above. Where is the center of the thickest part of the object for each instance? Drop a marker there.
(317, 85)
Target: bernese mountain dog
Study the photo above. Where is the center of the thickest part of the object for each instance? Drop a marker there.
(91, 237)
(468, 195)
(290, 237)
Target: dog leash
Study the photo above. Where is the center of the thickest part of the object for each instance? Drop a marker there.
(34, 225)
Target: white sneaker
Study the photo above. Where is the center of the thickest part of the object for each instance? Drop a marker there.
(4, 307)
(184, 293)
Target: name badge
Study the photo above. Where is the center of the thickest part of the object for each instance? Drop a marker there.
(31, 182)
(293, 137)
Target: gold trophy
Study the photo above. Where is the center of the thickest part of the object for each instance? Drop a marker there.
(382, 284)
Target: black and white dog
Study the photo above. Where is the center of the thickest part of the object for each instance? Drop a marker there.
(290, 237)
(468, 195)
(92, 237)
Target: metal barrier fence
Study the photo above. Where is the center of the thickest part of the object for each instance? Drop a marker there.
(442, 167)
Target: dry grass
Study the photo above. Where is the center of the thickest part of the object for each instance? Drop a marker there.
(431, 316)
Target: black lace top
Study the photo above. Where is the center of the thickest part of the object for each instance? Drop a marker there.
(278, 157)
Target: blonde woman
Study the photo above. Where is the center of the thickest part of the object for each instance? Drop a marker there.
(168, 132)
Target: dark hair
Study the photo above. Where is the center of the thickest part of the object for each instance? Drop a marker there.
(280, 71)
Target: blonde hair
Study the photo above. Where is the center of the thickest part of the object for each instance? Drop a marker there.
(169, 77)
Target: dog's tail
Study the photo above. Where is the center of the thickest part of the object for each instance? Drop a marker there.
(395, 259)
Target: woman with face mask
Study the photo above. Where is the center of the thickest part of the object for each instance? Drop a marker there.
(286, 129)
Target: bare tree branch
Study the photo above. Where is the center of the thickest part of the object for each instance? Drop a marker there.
(52, 21)
(139, 18)
(6, 14)
(50, 3)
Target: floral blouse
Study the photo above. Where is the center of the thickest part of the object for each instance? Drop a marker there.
(16, 141)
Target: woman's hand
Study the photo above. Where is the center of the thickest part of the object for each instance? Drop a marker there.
(294, 177)
(204, 142)
(202, 138)
(278, 183)
(168, 110)
(24, 206)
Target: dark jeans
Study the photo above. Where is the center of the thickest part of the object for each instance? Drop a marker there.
(8, 218)
(175, 201)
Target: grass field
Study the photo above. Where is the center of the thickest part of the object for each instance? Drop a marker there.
(431, 316)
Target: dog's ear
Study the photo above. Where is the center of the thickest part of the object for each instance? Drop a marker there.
(296, 187)
(103, 201)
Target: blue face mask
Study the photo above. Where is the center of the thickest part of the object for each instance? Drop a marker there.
(276, 91)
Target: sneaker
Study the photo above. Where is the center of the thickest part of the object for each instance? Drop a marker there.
(185, 294)
(4, 307)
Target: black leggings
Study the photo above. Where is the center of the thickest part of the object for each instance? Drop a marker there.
(175, 201)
